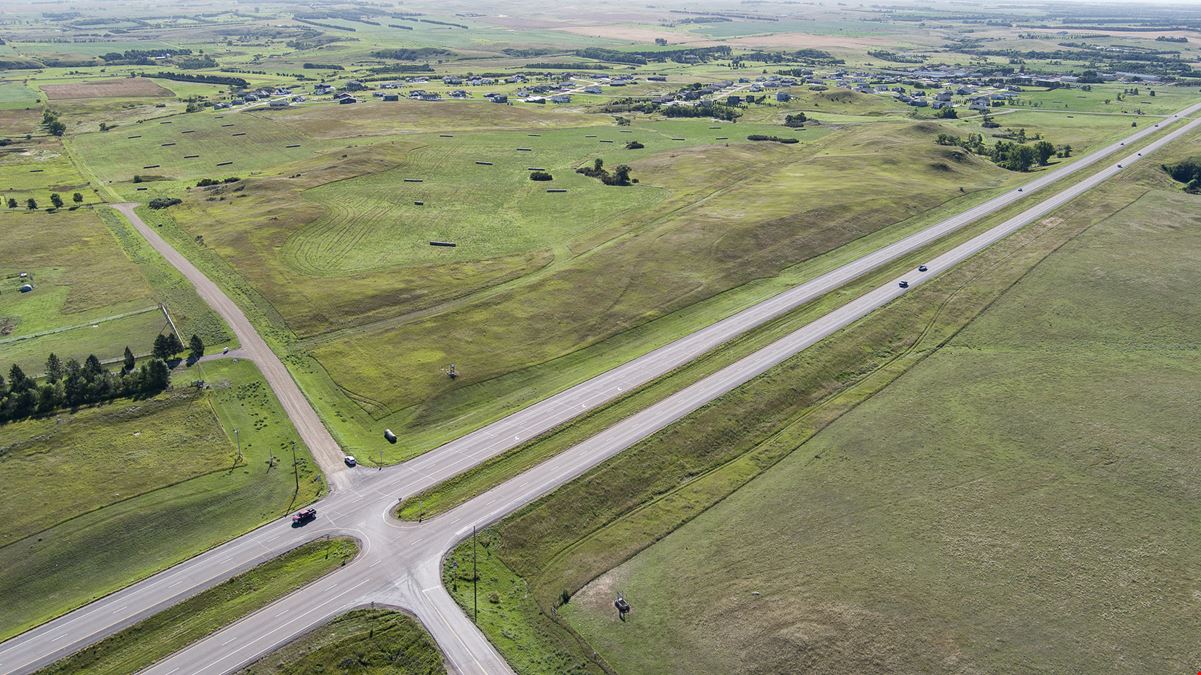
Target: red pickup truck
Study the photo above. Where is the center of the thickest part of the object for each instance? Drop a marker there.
(304, 517)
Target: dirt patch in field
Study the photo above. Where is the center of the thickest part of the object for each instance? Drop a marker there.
(116, 87)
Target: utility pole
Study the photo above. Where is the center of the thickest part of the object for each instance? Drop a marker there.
(238, 440)
(295, 467)
(475, 581)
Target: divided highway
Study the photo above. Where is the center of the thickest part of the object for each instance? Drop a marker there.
(400, 563)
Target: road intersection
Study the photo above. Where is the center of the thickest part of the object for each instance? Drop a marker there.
(400, 563)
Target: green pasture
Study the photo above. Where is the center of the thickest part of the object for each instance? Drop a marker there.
(16, 95)
(105, 338)
(985, 475)
(735, 215)
(78, 269)
(135, 523)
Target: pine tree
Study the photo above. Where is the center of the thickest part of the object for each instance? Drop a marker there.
(54, 368)
(127, 365)
(17, 380)
(155, 376)
(174, 343)
(195, 347)
(162, 347)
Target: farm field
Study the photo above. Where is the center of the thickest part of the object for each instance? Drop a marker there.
(112, 87)
(938, 520)
(340, 240)
(130, 509)
(94, 291)
(683, 180)
(377, 640)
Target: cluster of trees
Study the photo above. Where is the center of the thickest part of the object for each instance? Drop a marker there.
(72, 384)
(611, 55)
(206, 182)
(794, 121)
(195, 62)
(140, 57)
(164, 202)
(703, 109)
(541, 175)
(56, 201)
(53, 124)
(1187, 172)
(323, 66)
(634, 145)
(1008, 154)
(550, 65)
(620, 175)
(776, 139)
(331, 26)
(807, 56)
(681, 55)
(885, 55)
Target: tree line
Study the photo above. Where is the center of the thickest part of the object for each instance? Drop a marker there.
(56, 201)
(71, 384)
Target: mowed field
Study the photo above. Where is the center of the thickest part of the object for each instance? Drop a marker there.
(77, 268)
(734, 215)
(324, 238)
(95, 291)
(334, 252)
(1024, 495)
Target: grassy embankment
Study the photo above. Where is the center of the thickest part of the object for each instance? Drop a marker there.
(363, 641)
(536, 555)
(165, 633)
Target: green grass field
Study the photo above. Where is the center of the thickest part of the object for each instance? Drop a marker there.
(542, 551)
(117, 499)
(165, 633)
(990, 507)
(79, 272)
(363, 641)
(96, 290)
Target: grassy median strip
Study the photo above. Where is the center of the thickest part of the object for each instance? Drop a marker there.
(362, 641)
(173, 629)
